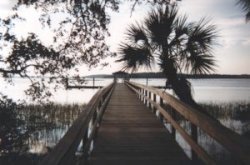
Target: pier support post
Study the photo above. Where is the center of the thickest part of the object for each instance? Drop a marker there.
(162, 105)
(143, 93)
(154, 99)
(139, 95)
(173, 131)
(194, 134)
(149, 96)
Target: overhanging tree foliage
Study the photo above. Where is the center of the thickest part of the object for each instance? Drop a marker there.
(12, 137)
(78, 38)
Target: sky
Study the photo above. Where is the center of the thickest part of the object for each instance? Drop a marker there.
(232, 52)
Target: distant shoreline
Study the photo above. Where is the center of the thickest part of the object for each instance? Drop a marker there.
(160, 75)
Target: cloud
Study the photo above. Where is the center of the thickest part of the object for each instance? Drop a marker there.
(230, 22)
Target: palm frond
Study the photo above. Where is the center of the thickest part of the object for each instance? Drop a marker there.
(202, 34)
(201, 64)
(177, 44)
(245, 5)
(134, 58)
(136, 33)
(160, 24)
(181, 25)
(180, 33)
(197, 55)
(248, 17)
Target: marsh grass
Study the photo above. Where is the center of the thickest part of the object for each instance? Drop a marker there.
(235, 116)
(47, 124)
(43, 126)
(236, 110)
(50, 114)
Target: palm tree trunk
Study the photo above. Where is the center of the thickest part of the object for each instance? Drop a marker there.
(182, 88)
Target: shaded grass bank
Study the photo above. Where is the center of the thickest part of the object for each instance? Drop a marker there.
(38, 129)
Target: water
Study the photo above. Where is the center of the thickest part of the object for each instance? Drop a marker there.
(204, 90)
(209, 91)
(213, 90)
(61, 95)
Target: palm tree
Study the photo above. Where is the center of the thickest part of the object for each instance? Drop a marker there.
(245, 4)
(166, 39)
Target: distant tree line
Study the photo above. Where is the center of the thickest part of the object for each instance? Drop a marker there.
(160, 75)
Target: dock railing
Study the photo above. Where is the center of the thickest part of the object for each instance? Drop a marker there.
(78, 140)
(169, 107)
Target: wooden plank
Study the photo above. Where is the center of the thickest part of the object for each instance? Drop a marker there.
(175, 126)
(64, 151)
(236, 144)
(131, 134)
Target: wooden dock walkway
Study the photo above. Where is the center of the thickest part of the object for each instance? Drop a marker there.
(131, 135)
(124, 131)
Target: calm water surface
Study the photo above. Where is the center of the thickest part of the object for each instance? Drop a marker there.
(213, 90)
(204, 91)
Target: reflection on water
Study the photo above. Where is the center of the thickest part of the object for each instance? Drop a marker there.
(41, 141)
(47, 124)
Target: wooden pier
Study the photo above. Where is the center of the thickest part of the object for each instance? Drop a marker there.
(131, 135)
(119, 127)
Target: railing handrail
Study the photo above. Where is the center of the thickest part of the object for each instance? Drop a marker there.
(64, 151)
(236, 144)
